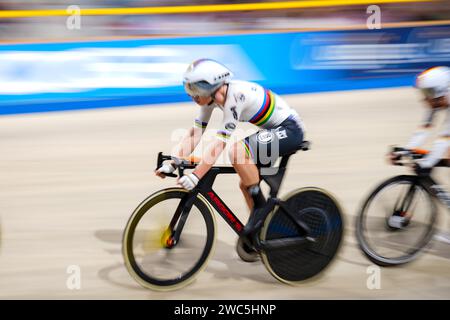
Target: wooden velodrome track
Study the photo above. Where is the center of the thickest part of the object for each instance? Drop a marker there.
(70, 180)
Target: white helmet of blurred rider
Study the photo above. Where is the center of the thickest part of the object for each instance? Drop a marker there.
(204, 76)
(434, 82)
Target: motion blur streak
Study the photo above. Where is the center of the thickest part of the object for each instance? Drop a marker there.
(198, 9)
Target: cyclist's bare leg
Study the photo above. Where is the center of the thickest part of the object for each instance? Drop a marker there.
(249, 174)
(248, 198)
(246, 169)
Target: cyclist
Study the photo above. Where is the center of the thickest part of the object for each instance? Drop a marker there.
(434, 84)
(209, 84)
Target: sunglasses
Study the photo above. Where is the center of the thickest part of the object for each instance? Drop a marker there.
(197, 89)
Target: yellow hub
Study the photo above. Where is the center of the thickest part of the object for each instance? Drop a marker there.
(166, 238)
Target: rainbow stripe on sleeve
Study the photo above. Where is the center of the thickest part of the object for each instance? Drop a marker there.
(224, 135)
(266, 110)
(248, 149)
(200, 124)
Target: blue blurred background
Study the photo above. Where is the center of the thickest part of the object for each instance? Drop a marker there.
(119, 60)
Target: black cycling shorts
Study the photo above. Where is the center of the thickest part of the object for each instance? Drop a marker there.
(267, 145)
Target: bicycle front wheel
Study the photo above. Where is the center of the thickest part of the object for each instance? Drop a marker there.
(150, 255)
(320, 212)
(396, 221)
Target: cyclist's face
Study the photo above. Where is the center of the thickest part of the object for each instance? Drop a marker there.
(437, 103)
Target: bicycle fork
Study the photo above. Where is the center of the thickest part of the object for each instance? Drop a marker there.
(401, 217)
(179, 219)
(407, 201)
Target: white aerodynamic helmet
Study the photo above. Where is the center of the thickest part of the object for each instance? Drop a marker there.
(434, 82)
(204, 76)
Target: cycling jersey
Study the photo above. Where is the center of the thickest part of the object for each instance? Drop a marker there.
(429, 117)
(440, 146)
(248, 102)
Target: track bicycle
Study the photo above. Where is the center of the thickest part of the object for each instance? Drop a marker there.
(170, 236)
(398, 218)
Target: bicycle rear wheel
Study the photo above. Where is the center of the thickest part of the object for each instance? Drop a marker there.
(396, 221)
(322, 214)
(150, 255)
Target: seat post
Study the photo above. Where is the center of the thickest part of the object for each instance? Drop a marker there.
(274, 181)
(284, 160)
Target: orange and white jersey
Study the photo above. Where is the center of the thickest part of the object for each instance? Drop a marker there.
(248, 102)
(440, 146)
(430, 115)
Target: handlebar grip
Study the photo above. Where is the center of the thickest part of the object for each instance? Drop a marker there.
(180, 171)
(159, 162)
(398, 149)
(180, 164)
(161, 159)
(170, 175)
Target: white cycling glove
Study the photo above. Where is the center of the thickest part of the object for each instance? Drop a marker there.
(188, 181)
(166, 168)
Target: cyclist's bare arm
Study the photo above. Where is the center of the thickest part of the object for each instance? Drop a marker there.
(231, 115)
(185, 148)
(189, 142)
(210, 156)
(194, 135)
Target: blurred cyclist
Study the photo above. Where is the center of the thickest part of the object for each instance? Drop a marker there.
(434, 84)
(209, 84)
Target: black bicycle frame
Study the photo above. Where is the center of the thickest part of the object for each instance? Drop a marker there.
(436, 190)
(205, 189)
(430, 186)
(407, 200)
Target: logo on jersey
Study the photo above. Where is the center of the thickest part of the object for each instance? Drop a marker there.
(239, 97)
(230, 126)
(281, 134)
(265, 137)
(235, 115)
